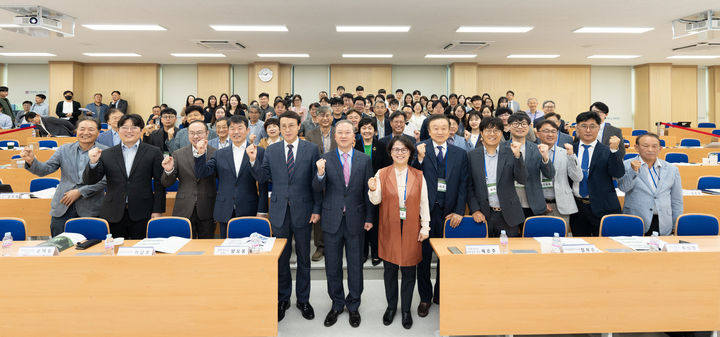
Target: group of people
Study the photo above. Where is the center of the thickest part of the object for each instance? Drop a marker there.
(373, 182)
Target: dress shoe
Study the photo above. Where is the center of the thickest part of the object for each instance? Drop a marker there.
(436, 300)
(319, 253)
(376, 261)
(354, 319)
(389, 316)
(406, 320)
(282, 306)
(331, 317)
(423, 309)
(307, 310)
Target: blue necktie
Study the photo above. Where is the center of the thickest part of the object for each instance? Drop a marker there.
(441, 161)
(584, 166)
(290, 161)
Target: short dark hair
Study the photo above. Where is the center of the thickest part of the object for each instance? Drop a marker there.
(399, 90)
(359, 98)
(436, 102)
(367, 121)
(324, 98)
(271, 121)
(510, 92)
(29, 115)
(262, 94)
(416, 92)
(552, 114)
(290, 114)
(587, 115)
(491, 122)
(157, 106)
(393, 101)
(501, 111)
(224, 119)
(64, 92)
(193, 108)
(340, 87)
(313, 105)
(519, 116)
(168, 111)
(405, 142)
(115, 110)
(359, 88)
(164, 106)
(546, 122)
(600, 106)
(381, 91)
(347, 95)
(279, 102)
(27, 102)
(476, 98)
(353, 111)
(134, 118)
(336, 101)
(452, 95)
(77, 124)
(4, 88)
(199, 121)
(238, 119)
(115, 91)
(199, 99)
(398, 113)
(41, 96)
(432, 118)
(469, 116)
(649, 134)
(454, 118)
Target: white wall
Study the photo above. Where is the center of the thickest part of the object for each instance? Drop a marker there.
(27, 80)
(240, 82)
(613, 86)
(428, 79)
(178, 81)
(308, 81)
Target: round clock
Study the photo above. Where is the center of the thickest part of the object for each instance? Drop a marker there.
(265, 74)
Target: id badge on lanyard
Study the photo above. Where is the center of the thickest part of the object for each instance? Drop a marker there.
(442, 185)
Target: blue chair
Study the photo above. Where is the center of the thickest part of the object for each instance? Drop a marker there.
(48, 143)
(696, 224)
(638, 132)
(25, 125)
(690, 142)
(173, 187)
(574, 133)
(706, 125)
(242, 227)
(630, 155)
(676, 157)
(39, 184)
(91, 228)
(4, 143)
(16, 227)
(104, 126)
(621, 225)
(706, 182)
(538, 226)
(662, 142)
(17, 156)
(167, 226)
(626, 142)
(716, 132)
(467, 228)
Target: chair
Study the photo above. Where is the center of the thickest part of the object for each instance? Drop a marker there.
(662, 142)
(91, 228)
(706, 125)
(706, 182)
(676, 157)
(467, 228)
(16, 227)
(242, 227)
(17, 156)
(621, 225)
(696, 224)
(48, 143)
(630, 156)
(716, 132)
(25, 125)
(39, 184)
(104, 126)
(538, 226)
(638, 132)
(5, 143)
(690, 142)
(173, 187)
(626, 142)
(167, 226)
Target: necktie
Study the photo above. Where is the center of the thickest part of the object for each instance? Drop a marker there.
(451, 141)
(441, 161)
(346, 168)
(584, 166)
(290, 160)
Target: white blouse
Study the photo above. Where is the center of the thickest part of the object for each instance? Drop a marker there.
(400, 176)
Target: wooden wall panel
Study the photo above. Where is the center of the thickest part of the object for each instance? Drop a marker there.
(684, 94)
(2, 68)
(372, 77)
(653, 88)
(285, 80)
(138, 84)
(256, 86)
(642, 97)
(714, 93)
(62, 77)
(212, 79)
(463, 77)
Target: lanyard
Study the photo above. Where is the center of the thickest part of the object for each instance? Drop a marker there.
(652, 177)
(406, 188)
(554, 148)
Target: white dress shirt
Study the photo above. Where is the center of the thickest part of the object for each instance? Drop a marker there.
(581, 151)
(295, 148)
(238, 153)
(400, 176)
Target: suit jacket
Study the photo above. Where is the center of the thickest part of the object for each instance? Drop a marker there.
(215, 142)
(514, 105)
(455, 176)
(157, 138)
(293, 193)
(67, 159)
(136, 188)
(643, 200)
(509, 170)
(181, 140)
(121, 104)
(75, 113)
(562, 139)
(240, 193)
(192, 191)
(315, 136)
(379, 155)
(56, 127)
(610, 131)
(604, 166)
(106, 138)
(424, 134)
(566, 167)
(353, 198)
(386, 123)
(460, 142)
(534, 166)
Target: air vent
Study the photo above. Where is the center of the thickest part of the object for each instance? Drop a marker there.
(699, 46)
(221, 45)
(465, 45)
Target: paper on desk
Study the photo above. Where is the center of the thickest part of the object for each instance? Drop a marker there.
(74, 237)
(44, 194)
(692, 192)
(637, 243)
(564, 241)
(164, 245)
(267, 245)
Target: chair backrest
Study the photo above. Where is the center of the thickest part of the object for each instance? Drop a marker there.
(4, 143)
(17, 156)
(676, 157)
(467, 228)
(706, 182)
(167, 226)
(706, 125)
(173, 187)
(690, 142)
(630, 155)
(16, 227)
(25, 125)
(639, 132)
(39, 184)
(621, 225)
(48, 143)
(696, 224)
(242, 227)
(91, 228)
(662, 142)
(537, 226)
(104, 126)
(716, 132)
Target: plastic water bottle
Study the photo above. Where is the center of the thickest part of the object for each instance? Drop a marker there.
(7, 244)
(503, 242)
(654, 242)
(109, 245)
(556, 244)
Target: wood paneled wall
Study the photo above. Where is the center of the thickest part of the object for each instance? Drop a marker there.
(684, 91)
(371, 76)
(212, 79)
(714, 93)
(256, 86)
(138, 84)
(285, 80)
(653, 94)
(64, 76)
(463, 77)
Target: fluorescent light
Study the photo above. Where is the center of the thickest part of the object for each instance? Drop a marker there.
(532, 56)
(197, 54)
(27, 54)
(372, 29)
(493, 29)
(613, 56)
(367, 55)
(690, 57)
(8, 25)
(456, 56)
(284, 55)
(125, 27)
(614, 30)
(249, 28)
(112, 54)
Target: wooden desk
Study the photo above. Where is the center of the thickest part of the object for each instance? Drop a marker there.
(6, 155)
(20, 136)
(578, 293)
(705, 203)
(690, 174)
(19, 178)
(695, 154)
(704, 139)
(162, 295)
(59, 140)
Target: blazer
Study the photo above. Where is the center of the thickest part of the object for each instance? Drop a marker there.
(121, 104)
(181, 140)
(56, 127)
(642, 200)
(379, 155)
(514, 105)
(352, 200)
(68, 160)
(388, 128)
(460, 142)
(157, 138)
(315, 136)
(215, 142)
(456, 166)
(604, 166)
(295, 192)
(610, 131)
(135, 188)
(509, 170)
(533, 167)
(240, 193)
(106, 138)
(192, 191)
(75, 113)
(566, 166)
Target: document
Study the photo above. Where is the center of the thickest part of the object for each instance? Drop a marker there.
(164, 245)
(637, 243)
(692, 192)
(266, 243)
(564, 241)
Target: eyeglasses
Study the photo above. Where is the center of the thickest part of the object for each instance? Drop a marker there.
(519, 125)
(129, 128)
(197, 134)
(549, 132)
(168, 116)
(492, 131)
(399, 150)
(588, 126)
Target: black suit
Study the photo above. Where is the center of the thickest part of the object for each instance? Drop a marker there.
(121, 105)
(75, 111)
(379, 158)
(610, 131)
(158, 138)
(129, 200)
(386, 123)
(55, 127)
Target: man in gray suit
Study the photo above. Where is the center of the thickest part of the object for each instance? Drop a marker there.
(72, 198)
(652, 187)
(195, 198)
(512, 103)
(606, 130)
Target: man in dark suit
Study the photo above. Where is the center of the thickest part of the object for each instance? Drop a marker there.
(397, 123)
(607, 131)
(129, 169)
(195, 196)
(493, 172)
(444, 167)
(159, 136)
(346, 215)
(290, 166)
(238, 192)
(118, 103)
(381, 120)
(50, 126)
(563, 138)
(595, 195)
(68, 109)
(438, 108)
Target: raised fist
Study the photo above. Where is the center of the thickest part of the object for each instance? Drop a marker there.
(252, 138)
(614, 143)
(94, 155)
(171, 133)
(168, 164)
(569, 149)
(320, 167)
(372, 183)
(543, 148)
(251, 151)
(515, 147)
(421, 152)
(201, 146)
(635, 165)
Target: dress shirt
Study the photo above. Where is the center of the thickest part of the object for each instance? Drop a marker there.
(81, 156)
(400, 177)
(410, 130)
(417, 120)
(116, 137)
(257, 129)
(67, 109)
(294, 149)
(238, 153)
(473, 139)
(226, 143)
(5, 122)
(326, 141)
(536, 115)
(581, 151)
(491, 162)
(129, 155)
(381, 128)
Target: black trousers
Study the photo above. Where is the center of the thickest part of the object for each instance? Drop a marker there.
(425, 287)
(318, 235)
(202, 229)
(128, 229)
(57, 223)
(390, 276)
(584, 222)
(301, 233)
(334, 244)
(370, 245)
(496, 223)
(654, 225)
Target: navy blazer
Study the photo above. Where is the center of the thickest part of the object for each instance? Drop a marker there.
(534, 167)
(455, 176)
(604, 166)
(388, 127)
(336, 196)
(241, 193)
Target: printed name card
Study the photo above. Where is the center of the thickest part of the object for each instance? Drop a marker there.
(580, 249)
(232, 250)
(482, 249)
(136, 251)
(681, 247)
(38, 251)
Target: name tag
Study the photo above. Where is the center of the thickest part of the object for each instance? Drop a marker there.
(492, 188)
(681, 247)
(403, 213)
(546, 183)
(580, 249)
(136, 251)
(232, 250)
(38, 251)
(442, 185)
(482, 249)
